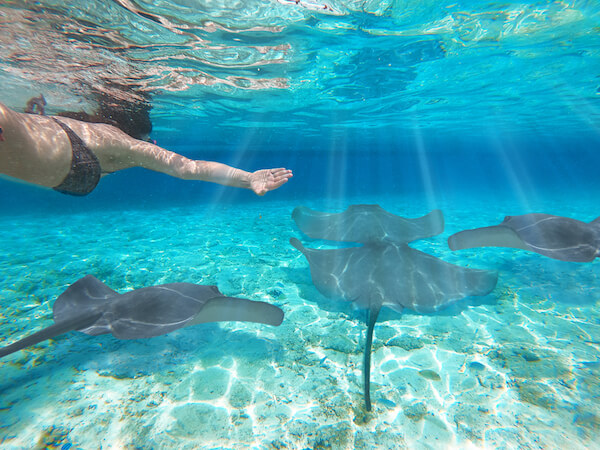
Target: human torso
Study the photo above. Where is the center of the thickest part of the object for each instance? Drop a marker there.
(37, 149)
(34, 149)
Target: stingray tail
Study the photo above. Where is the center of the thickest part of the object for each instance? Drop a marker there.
(50, 332)
(371, 319)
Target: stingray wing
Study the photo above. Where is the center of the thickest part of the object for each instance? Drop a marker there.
(77, 308)
(424, 283)
(87, 293)
(333, 271)
(366, 224)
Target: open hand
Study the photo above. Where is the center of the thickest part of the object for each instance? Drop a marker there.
(265, 180)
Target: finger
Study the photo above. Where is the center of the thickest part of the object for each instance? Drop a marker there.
(278, 183)
(282, 174)
(281, 171)
(281, 177)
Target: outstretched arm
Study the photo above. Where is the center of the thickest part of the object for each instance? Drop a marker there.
(261, 181)
(36, 149)
(152, 157)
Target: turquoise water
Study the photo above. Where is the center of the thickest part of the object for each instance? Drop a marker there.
(479, 109)
(518, 367)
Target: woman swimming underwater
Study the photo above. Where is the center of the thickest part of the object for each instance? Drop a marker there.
(70, 156)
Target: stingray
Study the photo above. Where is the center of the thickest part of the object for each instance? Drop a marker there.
(90, 306)
(383, 269)
(556, 237)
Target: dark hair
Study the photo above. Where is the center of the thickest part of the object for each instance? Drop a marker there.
(129, 111)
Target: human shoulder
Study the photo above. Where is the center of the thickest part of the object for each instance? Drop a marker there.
(4, 110)
(9, 117)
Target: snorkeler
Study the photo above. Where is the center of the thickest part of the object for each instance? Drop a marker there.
(71, 156)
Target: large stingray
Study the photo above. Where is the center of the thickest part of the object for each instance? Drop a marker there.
(553, 236)
(90, 306)
(384, 270)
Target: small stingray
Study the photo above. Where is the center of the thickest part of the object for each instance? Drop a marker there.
(90, 306)
(556, 237)
(384, 270)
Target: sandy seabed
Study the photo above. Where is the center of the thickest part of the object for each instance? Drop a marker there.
(518, 368)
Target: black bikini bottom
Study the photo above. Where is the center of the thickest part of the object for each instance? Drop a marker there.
(85, 170)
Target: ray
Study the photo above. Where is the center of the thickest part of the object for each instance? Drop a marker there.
(384, 272)
(90, 306)
(556, 237)
(366, 223)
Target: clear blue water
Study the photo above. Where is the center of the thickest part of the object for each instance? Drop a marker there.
(480, 109)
